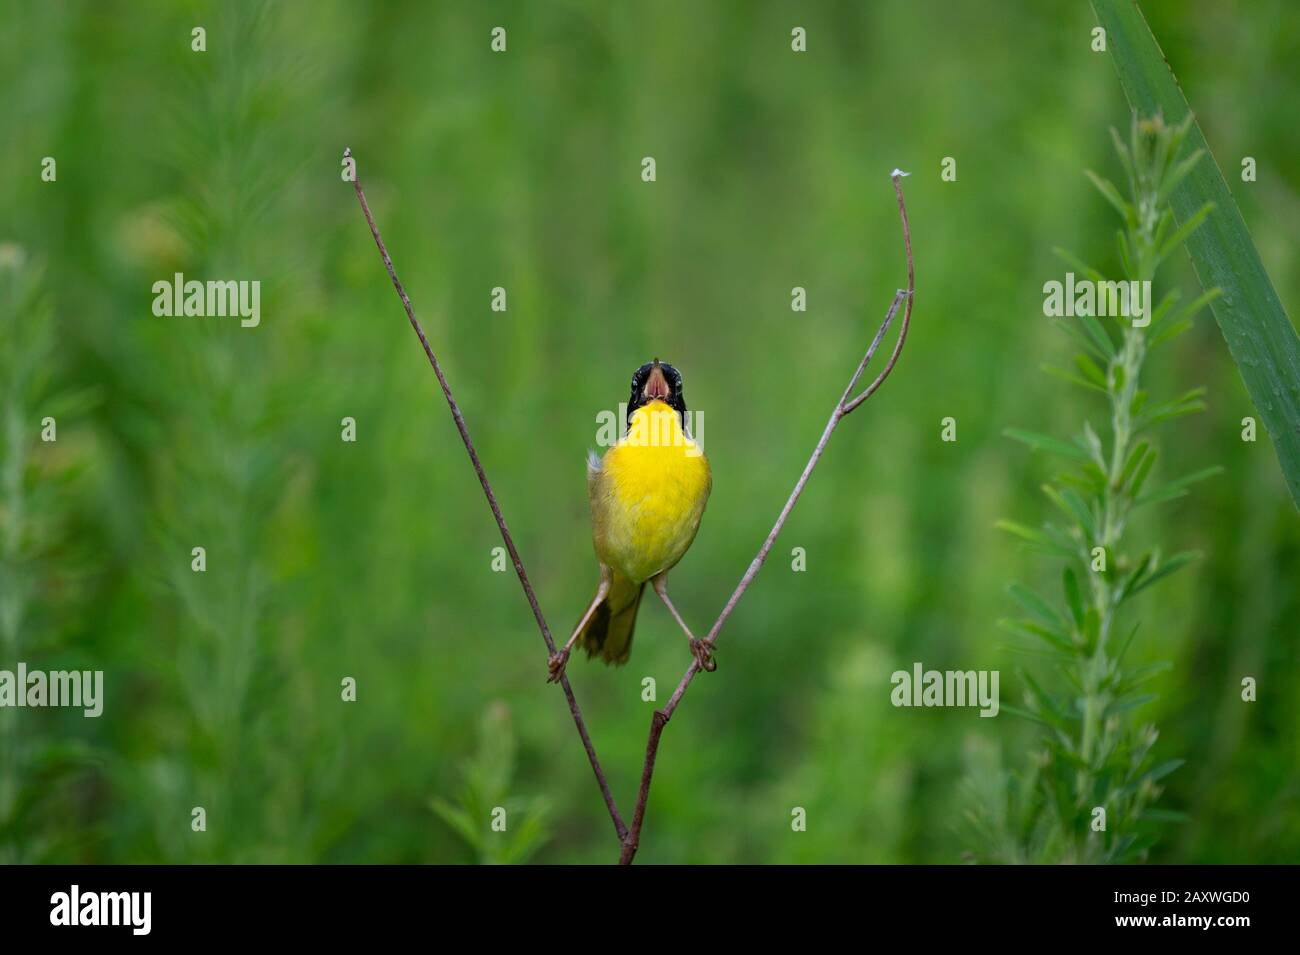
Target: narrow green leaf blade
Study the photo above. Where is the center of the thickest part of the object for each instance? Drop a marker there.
(1045, 442)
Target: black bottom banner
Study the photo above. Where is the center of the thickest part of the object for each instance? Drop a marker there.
(336, 904)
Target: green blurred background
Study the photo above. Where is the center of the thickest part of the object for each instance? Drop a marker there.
(373, 559)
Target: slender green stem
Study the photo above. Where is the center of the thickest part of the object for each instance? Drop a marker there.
(1094, 669)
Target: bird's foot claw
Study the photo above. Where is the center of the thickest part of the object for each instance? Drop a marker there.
(556, 665)
(703, 653)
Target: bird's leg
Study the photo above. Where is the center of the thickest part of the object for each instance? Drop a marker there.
(700, 649)
(558, 661)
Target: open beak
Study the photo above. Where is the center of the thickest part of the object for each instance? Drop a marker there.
(656, 386)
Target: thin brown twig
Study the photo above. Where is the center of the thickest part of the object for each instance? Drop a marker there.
(843, 408)
(619, 826)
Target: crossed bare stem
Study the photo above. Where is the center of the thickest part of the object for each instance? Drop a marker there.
(629, 836)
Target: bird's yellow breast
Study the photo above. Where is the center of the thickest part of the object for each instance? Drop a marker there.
(648, 495)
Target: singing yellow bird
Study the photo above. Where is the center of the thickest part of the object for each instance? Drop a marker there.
(647, 497)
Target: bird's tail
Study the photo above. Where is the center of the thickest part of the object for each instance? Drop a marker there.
(609, 631)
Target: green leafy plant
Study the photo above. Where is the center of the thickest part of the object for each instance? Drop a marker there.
(41, 570)
(499, 828)
(1261, 338)
(1093, 753)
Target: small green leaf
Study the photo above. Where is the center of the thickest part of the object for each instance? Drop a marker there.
(1176, 488)
(1043, 442)
(1073, 379)
(1035, 604)
(1128, 642)
(1079, 265)
(1107, 189)
(1082, 513)
(1125, 253)
(459, 820)
(1046, 705)
(1141, 675)
(1025, 714)
(1090, 370)
(1091, 629)
(1178, 174)
(1031, 629)
(1163, 770)
(1092, 444)
(1099, 335)
(1174, 408)
(1140, 474)
(1182, 232)
(1128, 703)
(1188, 310)
(1167, 567)
(1126, 590)
(1076, 331)
(1172, 329)
(1125, 159)
(1036, 537)
(1135, 456)
(1072, 596)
